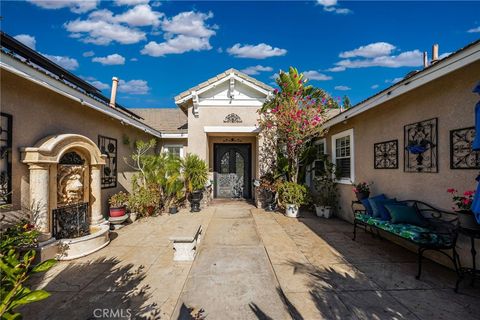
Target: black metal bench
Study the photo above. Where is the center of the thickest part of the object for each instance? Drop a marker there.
(440, 234)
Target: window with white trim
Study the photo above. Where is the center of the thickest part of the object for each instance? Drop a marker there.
(174, 149)
(319, 164)
(342, 156)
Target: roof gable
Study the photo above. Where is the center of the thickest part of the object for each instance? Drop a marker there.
(221, 84)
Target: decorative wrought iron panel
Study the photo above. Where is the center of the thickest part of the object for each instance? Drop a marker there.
(5, 158)
(232, 166)
(461, 154)
(386, 155)
(232, 118)
(108, 146)
(71, 221)
(421, 146)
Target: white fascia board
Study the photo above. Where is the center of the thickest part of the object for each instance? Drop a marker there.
(231, 129)
(20, 69)
(174, 135)
(438, 70)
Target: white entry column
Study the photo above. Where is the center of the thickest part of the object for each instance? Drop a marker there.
(39, 198)
(96, 194)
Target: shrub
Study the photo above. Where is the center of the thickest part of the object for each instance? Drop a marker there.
(292, 193)
(195, 172)
(118, 200)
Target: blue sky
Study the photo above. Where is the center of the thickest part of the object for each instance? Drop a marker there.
(161, 48)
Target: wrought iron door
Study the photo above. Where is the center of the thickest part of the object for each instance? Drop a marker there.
(232, 166)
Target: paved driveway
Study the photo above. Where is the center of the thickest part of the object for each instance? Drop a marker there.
(251, 265)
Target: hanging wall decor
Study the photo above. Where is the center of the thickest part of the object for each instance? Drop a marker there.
(386, 155)
(421, 146)
(462, 155)
(108, 146)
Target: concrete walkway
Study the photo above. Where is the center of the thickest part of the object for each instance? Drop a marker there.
(252, 264)
(232, 277)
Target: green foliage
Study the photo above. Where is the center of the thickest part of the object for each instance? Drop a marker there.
(16, 266)
(118, 200)
(292, 193)
(326, 186)
(195, 172)
(143, 198)
(346, 103)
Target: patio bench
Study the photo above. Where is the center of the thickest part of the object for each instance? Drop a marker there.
(186, 241)
(439, 234)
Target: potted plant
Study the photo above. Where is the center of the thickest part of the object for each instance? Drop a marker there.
(173, 194)
(291, 196)
(361, 190)
(325, 197)
(268, 186)
(195, 172)
(144, 201)
(463, 207)
(118, 204)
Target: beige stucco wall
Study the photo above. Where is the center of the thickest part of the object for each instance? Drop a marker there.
(451, 100)
(38, 112)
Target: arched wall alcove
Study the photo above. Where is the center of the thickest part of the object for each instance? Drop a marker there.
(43, 160)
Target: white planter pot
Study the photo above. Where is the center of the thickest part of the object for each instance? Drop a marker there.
(291, 210)
(323, 211)
(132, 216)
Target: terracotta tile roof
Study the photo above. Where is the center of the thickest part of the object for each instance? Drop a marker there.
(165, 120)
(221, 76)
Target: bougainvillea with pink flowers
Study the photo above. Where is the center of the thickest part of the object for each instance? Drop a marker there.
(462, 201)
(296, 114)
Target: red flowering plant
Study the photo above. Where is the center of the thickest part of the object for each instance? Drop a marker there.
(362, 187)
(295, 114)
(461, 202)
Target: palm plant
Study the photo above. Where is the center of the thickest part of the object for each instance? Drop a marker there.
(195, 172)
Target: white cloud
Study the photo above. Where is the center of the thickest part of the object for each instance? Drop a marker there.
(27, 40)
(133, 86)
(112, 59)
(315, 75)
(256, 69)
(444, 55)
(342, 88)
(371, 50)
(331, 6)
(88, 54)
(76, 6)
(274, 76)
(63, 61)
(189, 24)
(405, 59)
(259, 51)
(375, 86)
(394, 80)
(133, 59)
(336, 69)
(103, 32)
(185, 32)
(139, 16)
(179, 44)
(474, 30)
(99, 85)
(130, 2)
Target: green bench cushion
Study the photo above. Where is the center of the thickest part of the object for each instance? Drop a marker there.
(411, 232)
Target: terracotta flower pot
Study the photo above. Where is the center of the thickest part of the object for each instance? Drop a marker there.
(362, 195)
(117, 212)
(150, 210)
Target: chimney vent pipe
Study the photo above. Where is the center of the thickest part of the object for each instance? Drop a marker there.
(434, 53)
(113, 95)
(425, 59)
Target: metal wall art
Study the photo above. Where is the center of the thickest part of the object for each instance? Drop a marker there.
(232, 118)
(461, 154)
(386, 155)
(108, 146)
(421, 146)
(5, 158)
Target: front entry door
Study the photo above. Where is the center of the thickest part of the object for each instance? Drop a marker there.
(232, 166)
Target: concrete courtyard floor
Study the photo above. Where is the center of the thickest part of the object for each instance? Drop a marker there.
(251, 265)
